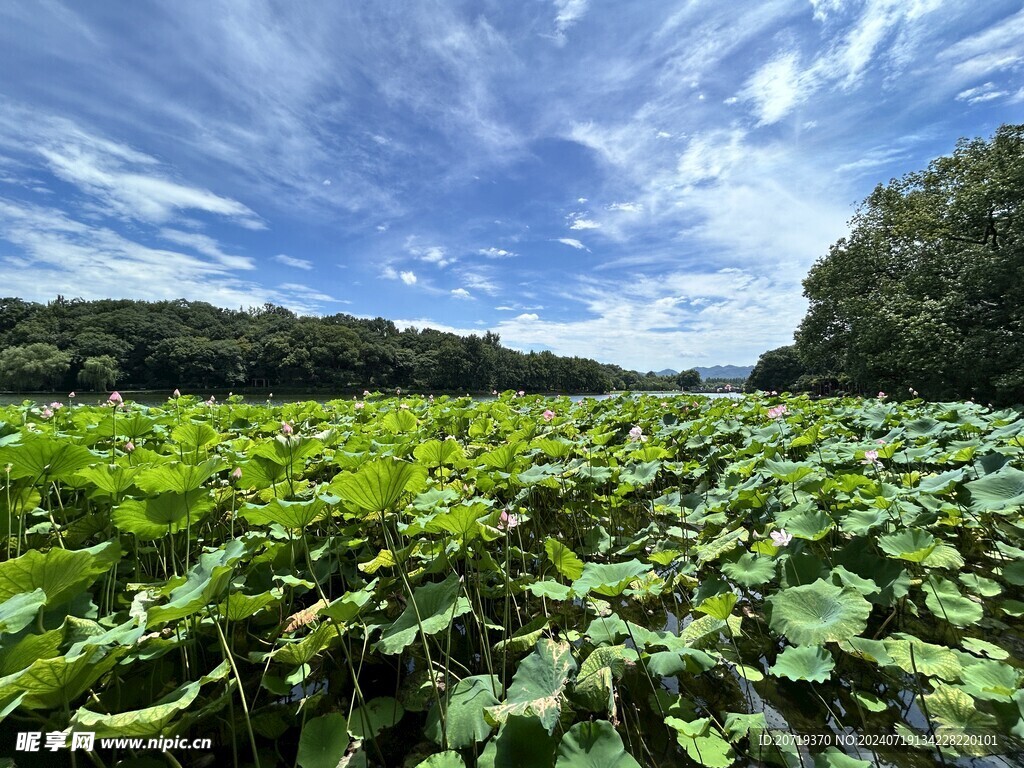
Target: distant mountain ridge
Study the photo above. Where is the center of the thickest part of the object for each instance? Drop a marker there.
(717, 372)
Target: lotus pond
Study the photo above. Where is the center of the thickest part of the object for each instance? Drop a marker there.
(520, 582)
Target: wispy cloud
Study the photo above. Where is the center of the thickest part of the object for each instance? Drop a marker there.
(461, 293)
(572, 243)
(291, 261)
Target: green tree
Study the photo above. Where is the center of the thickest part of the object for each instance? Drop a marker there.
(99, 373)
(777, 369)
(927, 291)
(33, 366)
(688, 379)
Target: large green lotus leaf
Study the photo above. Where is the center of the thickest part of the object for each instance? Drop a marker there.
(538, 685)
(998, 491)
(811, 663)
(177, 477)
(1013, 573)
(112, 479)
(638, 475)
(702, 743)
(564, 559)
(604, 665)
(502, 458)
(610, 579)
(941, 483)
(378, 486)
(788, 471)
(60, 573)
(552, 590)
(376, 715)
(908, 653)
(594, 744)
(306, 649)
(812, 526)
(945, 601)
(150, 721)
(819, 613)
(157, 516)
(991, 680)
(294, 515)
(398, 422)
(19, 611)
(750, 570)
(195, 434)
(436, 453)
(348, 606)
(437, 603)
(15, 657)
(671, 663)
(984, 648)
(48, 683)
(555, 448)
(912, 544)
(461, 521)
(944, 556)
(324, 741)
(205, 583)
(287, 451)
(464, 718)
(957, 716)
(43, 459)
(238, 606)
(522, 742)
(447, 759)
(834, 758)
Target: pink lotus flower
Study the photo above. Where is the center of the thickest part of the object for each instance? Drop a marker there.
(637, 435)
(71, 395)
(129, 447)
(781, 538)
(46, 413)
(176, 394)
(286, 428)
(777, 412)
(236, 473)
(520, 393)
(882, 395)
(870, 457)
(548, 415)
(360, 405)
(115, 399)
(664, 403)
(507, 521)
(494, 392)
(366, 393)
(56, 406)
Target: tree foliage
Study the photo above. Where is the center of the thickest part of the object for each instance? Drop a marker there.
(927, 291)
(777, 369)
(93, 344)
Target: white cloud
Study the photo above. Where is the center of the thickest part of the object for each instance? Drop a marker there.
(776, 88)
(326, 182)
(409, 278)
(207, 246)
(122, 181)
(433, 254)
(573, 243)
(527, 317)
(495, 253)
(584, 223)
(461, 293)
(480, 281)
(626, 207)
(61, 255)
(291, 261)
(568, 12)
(981, 93)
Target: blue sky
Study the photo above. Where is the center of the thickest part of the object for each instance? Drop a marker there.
(644, 183)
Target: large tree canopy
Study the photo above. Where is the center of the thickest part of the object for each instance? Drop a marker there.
(927, 291)
(169, 344)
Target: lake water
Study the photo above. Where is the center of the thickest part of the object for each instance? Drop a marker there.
(159, 397)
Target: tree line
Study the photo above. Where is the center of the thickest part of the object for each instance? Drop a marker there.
(926, 293)
(70, 343)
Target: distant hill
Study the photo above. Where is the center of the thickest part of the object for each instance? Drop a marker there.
(717, 372)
